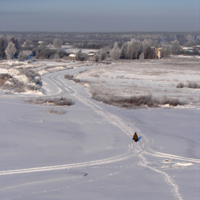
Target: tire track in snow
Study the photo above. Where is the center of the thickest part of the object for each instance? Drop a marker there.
(68, 186)
(167, 178)
(116, 121)
(113, 119)
(117, 158)
(165, 155)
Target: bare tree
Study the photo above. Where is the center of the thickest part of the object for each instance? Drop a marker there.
(2, 46)
(10, 50)
(115, 52)
(57, 43)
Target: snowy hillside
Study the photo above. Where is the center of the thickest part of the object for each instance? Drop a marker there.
(86, 151)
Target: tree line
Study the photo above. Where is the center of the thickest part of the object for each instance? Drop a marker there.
(11, 47)
(95, 40)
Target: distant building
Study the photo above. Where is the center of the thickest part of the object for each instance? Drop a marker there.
(72, 56)
(91, 54)
(40, 42)
(190, 49)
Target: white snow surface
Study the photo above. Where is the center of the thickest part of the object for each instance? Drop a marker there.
(88, 153)
(156, 77)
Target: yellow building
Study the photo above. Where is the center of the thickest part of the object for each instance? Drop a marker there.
(158, 53)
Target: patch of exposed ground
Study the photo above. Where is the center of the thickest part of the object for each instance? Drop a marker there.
(59, 101)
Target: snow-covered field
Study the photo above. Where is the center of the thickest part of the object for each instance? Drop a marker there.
(156, 77)
(87, 152)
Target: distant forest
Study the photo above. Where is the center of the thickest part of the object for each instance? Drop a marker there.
(99, 40)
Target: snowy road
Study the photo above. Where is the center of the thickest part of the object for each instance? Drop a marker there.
(49, 158)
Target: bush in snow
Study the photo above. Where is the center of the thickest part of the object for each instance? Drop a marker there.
(4, 78)
(103, 55)
(22, 56)
(59, 112)
(171, 102)
(96, 58)
(193, 85)
(60, 101)
(69, 77)
(63, 54)
(80, 56)
(133, 101)
(43, 52)
(180, 85)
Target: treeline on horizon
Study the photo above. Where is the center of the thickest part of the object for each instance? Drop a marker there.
(46, 45)
(97, 40)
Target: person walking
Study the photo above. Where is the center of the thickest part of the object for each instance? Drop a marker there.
(135, 137)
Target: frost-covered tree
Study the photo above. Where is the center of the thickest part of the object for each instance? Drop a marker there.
(80, 56)
(115, 51)
(11, 39)
(145, 44)
(134, 49)
(131, 49)
(149, 53)
(190, 37)
(124, 51)
(16, 43)
(10, 50)
(2, 46)
(191, 41)
(28, 45)
(175, 47)
(103, 54)
(57, 43)
(198, 37)
(165, 52)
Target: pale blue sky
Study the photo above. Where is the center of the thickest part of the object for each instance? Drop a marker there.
(99, 15)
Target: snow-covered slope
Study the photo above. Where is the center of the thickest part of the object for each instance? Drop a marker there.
(88, 153)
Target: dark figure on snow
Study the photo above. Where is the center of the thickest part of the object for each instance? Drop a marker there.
(135, 137)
